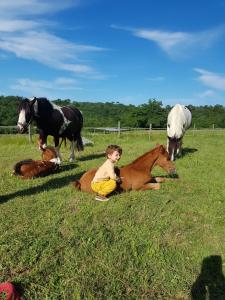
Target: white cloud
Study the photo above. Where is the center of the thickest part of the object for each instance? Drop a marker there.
(48, 49)
(210, 79)
(207, 94)
(13, 25)
(43, 87)
(178, 44)
(30, 39)
(34, 7)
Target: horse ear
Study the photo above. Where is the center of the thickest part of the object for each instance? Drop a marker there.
(42, 149)
(33, 101)
(162, 149)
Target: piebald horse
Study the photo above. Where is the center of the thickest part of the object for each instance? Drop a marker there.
(136, 175)
(178, 121)
(51, 119)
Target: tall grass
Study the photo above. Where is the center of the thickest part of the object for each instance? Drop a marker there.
(58, 243)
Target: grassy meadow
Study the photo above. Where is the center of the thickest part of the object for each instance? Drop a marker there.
(58, 243)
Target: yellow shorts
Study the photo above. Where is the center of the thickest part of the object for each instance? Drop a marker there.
(104, 187)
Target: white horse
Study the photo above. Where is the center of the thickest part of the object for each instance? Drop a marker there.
(178, 121)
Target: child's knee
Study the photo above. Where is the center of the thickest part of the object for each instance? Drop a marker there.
(95, 187)
(112, 185)
(109, 186)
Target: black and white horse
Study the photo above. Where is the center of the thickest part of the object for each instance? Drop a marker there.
(178, 121)
(51, 119)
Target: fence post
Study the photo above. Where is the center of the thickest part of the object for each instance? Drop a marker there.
(149, 132)
(213, 126)
(30, 134)
(193, 131)
(118, 128)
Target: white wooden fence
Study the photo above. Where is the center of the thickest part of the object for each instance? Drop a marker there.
(117, 130)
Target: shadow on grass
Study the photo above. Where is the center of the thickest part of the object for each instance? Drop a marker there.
(68, 167)
(186, 151)
(91, 156)
(52, 184)
(210, 283)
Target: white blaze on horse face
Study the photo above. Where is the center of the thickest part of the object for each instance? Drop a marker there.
(172, 155)
(56, 160)
(22, 119)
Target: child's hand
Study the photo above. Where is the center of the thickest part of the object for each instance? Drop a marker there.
(119, 179)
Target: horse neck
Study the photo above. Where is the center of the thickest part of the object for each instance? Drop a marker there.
(147, 160)
(42, 109)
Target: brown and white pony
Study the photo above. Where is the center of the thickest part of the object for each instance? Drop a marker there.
(136, 175)
(30, 168)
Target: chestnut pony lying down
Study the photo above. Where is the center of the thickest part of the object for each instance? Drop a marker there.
(30, 168)
(136, 175)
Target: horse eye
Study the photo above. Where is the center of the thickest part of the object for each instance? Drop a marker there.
(168, 125)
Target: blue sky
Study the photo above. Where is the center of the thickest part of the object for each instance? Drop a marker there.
(114, 50)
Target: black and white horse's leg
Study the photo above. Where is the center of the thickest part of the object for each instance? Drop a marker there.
(72, 147)
(79, 144)
(179, 148)
(167, 146)
(57, 146)
(42, 140)
(170, 149)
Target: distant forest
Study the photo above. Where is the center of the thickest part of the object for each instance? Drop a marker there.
(108, 114)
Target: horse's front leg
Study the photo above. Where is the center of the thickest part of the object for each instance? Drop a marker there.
(164, 179)
(167, 146)
(150, 186)
(159, 179)
(72, 155)
(57, 146)
(42, 140)
(179, 149)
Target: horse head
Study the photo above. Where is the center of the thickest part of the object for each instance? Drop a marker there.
(174, 146)
(164, 161)
(25, 112)
(51, 154)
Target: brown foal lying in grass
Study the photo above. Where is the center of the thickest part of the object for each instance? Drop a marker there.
(30, 168)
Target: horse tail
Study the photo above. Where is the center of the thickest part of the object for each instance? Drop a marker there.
(77, 185)
(80, 145)
(17, 166)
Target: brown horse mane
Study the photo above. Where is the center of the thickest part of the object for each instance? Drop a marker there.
(158, 147)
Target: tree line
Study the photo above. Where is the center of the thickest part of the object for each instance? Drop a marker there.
(108, 114)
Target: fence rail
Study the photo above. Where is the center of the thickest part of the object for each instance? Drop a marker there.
(33, 129)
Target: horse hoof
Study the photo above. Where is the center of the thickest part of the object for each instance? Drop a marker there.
(160, 179)
(154, 186)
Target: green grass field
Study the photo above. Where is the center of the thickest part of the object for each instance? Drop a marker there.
(58, 243)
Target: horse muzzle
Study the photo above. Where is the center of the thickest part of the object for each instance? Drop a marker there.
(21, 128)
(172, 171)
